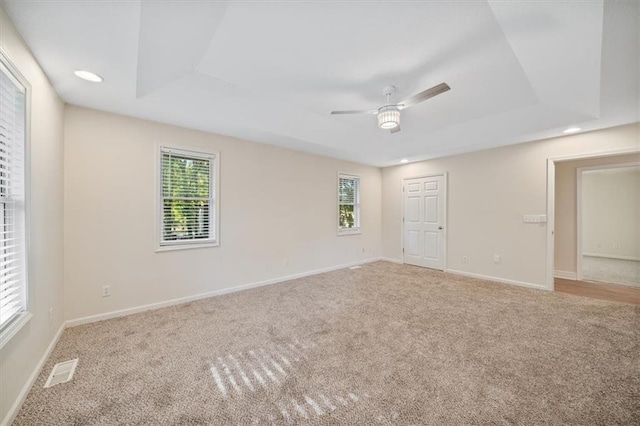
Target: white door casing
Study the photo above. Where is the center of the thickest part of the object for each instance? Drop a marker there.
(423, 221)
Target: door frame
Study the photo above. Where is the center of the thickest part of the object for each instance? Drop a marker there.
(551, 197)
(445, 178)
(579, 173)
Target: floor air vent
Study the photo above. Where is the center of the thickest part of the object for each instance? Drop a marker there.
(62, 372)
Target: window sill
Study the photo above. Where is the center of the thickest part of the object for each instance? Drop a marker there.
(355, 231)
(13, 327)
(161, 249)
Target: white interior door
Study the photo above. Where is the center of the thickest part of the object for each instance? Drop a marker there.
(423, 222)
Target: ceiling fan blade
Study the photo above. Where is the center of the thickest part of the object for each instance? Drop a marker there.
(424, 95)
(355, 111)
(395, 129)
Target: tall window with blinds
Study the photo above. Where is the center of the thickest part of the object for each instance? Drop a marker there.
(188, 207)
(13, 247)
(348, 204)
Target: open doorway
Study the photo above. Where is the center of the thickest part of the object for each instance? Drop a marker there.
(581, 261)
(608, 243)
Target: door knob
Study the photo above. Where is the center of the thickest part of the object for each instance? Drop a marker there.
(439, 227)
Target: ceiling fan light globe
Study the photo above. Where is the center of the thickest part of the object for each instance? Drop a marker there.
(388, 117)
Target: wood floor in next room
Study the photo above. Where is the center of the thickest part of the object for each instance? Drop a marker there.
(385, 344)
(603, 291)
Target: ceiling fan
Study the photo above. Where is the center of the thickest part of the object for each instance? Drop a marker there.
(389, 114)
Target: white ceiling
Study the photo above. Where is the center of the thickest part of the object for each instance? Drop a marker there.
(272, 71)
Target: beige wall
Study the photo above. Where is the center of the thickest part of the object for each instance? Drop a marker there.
(488, 192)
(21, 355)
(610, 213)
(566, 210)
(275, 204)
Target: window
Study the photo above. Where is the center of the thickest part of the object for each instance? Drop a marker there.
(348, 204)
(13, 183)
(188, 198)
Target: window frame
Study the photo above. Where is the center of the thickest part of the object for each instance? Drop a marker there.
(214, 199)
(13, 326)
(357, 229)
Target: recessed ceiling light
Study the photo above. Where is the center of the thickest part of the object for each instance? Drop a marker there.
(572, 130)
(404, 160)
(88, 75)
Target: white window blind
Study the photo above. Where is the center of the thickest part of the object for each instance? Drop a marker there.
(348, 204)
(188, 197)
(13, 275)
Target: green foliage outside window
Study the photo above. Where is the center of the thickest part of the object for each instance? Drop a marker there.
(347, 217)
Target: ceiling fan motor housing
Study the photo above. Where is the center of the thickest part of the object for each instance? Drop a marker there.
(388, 117)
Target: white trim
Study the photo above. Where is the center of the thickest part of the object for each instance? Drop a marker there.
(602, 154)
(214, 158)
(445, 225)
(445, 180)
(565, 275)
(551, 225)
(612, 256)
(13, 411)
(25, 316)
(579, 173)
(349, 231)
(392, 260)
(12, 328)
(158, 305)
(497, 280)
(356, 206)
(551, 189)
(165, 248)
(579, 223)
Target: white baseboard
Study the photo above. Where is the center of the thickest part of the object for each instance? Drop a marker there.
(612, 256)
(565, 275)
(158, 305)
(13, 411)
(392, 260)
(497, 279)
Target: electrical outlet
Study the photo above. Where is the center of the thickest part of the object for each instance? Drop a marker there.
(106, 291)
(616, 246)
(363, 250)
(465, 259)
(496, 258)
(599, 245)
(286, 261)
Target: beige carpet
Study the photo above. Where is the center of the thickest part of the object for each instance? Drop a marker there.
(385, 344)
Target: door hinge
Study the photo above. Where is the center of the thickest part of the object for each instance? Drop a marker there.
(403, 219)
(403, 249)
(403, 189)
